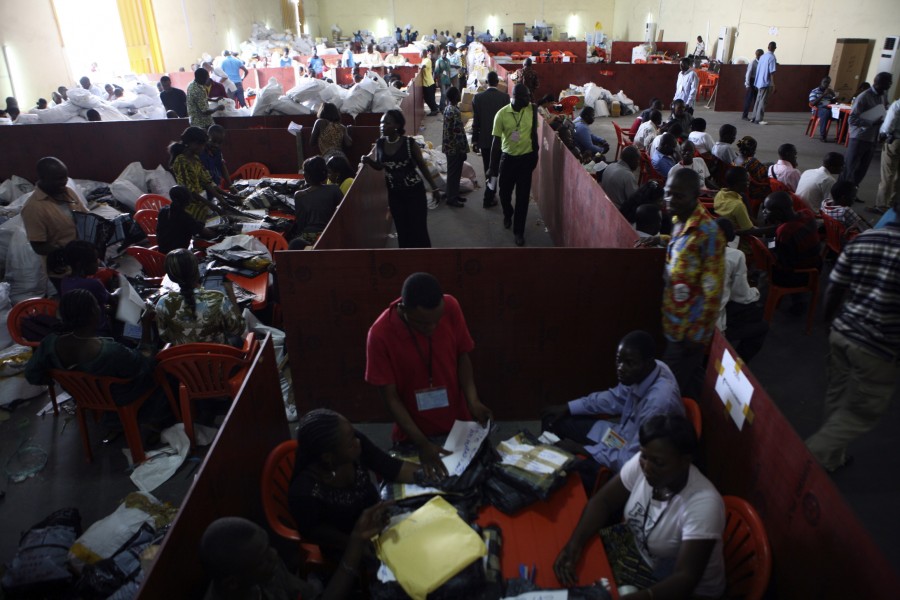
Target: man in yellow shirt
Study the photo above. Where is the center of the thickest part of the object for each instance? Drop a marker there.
(428, 87)
(514, 155)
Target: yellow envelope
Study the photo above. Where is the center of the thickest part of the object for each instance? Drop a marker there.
(429, 547)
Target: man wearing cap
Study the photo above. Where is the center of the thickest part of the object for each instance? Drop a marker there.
(455, 60)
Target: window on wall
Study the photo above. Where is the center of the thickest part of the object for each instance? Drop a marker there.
(93, 40)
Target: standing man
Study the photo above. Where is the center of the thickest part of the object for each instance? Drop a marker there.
(819, 99)
(172, 98)
(750, 84)
(455, 60)
(347, 59)
(417, 353)
(233, 67)
(198, 110)
(866, 116)
(687, 85)
(700, 48)
(315, 64)
(695, 272)
(47, 215)
(428, 86)
(864, 361)
(765, 83)
(485, 106)
(528, 77)
(514, 155)
(285, 60)
(888, 191)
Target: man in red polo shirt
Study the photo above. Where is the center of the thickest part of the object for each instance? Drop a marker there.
(417, 353)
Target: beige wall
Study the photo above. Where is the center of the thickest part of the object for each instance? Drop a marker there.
(425, 17)
(807, 29)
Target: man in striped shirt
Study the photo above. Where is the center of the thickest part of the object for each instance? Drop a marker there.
(864, 362)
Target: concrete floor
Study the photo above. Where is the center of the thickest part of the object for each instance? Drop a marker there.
(791, 366)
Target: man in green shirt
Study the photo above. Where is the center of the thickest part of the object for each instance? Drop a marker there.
(514, 154)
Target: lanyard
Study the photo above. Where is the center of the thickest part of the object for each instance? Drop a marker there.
(655, 523)
(419, 351)
(521, 116)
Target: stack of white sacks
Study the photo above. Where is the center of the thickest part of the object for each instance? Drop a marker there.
(372, 94)
(140, 101)
(600, 98)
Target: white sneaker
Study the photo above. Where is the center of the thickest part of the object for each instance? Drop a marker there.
(763, 123)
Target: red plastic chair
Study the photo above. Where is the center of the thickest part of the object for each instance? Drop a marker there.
(763, 259)
(272, 240)
(152, 262)
(203, 371)
(147, 219)
(692, 412)
(836, 235)
(92, 392)
(621, 139)
(253, 170)
(634, 128)
(17, 315)
(276, 480)
(151, 202)
(648, 173)
(568, 105)
(748, 558)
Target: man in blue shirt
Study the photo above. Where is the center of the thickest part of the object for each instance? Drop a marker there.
(286, 58)
(584, 139)
(316, 65)
(765, 83)
(819, 99)
(646, 388)
(233, 66)
(666, 155)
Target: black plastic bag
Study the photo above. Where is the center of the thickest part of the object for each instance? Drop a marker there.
(508, 498)
(40, 565)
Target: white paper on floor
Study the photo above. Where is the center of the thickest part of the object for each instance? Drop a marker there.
(161, 464)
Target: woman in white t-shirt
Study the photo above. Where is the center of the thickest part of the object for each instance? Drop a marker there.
(670, 544)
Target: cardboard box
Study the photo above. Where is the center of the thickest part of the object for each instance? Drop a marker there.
(465, 105)
(466, 116)
(849, 65)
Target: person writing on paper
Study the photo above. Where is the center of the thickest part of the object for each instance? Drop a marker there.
(417, 353)
(670, 543)
(646, 388)
(331, 485)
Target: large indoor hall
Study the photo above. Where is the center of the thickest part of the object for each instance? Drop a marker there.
(326, 380)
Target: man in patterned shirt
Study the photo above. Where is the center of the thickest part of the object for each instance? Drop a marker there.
(455, 146)
(838, 207)
(199, 112)
(864, 360)
(695, 271)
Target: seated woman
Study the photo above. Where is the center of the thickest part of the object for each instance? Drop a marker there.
(757, 171)
(316, 203)
(84, 263)
(189, 172)
(196, 314)
(77, 347)
(670, 544)
(331, 485)
(340, 173)
(175, 228)
(329, 136)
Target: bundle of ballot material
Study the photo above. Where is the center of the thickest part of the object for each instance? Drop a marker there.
(531, 466)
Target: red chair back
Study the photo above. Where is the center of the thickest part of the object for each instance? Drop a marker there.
(748, 558)
(648, 173)
(25, 309)
(151, 202)
(692, 412)
(778, 186)
(153, 263)
(272, 240)
(621, 141)
(568, 105)
(634, 127)
(253, 170)
(835, 234)
(147, 220)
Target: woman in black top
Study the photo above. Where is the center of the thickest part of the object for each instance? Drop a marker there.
(331, 485)
(399, 156)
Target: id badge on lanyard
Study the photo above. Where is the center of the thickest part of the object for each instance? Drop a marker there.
(432, 398)
(613, 439)
(514, 136)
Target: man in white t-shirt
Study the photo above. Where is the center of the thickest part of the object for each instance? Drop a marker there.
(815, 184)
(689, 161)
(703, 142)
(648, 131)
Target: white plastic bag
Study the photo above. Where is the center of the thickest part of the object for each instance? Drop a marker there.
(14, 187)
(358, 101)
(267, 97)
(160, 181)
(24, 269)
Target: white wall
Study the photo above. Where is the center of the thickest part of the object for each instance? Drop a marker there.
(807, 29)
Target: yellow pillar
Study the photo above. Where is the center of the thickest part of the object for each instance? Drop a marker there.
(141, 35)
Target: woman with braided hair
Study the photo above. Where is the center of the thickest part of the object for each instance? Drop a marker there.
(331, 485)
(194, 314)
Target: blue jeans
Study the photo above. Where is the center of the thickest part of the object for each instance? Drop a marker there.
(239, 93)
(824, 116)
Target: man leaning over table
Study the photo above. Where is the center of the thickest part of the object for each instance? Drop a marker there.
(646, 388)
(417, 353)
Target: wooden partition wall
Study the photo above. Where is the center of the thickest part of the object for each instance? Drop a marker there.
(227, 484)
(579, 49)
(544, 332)
(363, 219)
(621, 51)
(792, 84)
(573, 205)
(819, 547)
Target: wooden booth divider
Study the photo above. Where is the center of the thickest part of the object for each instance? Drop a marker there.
(574, 206)
(792, 83)
(363, 219)
(228, 482)
(621, 51)
(543, 333)
(819, 547)
(579, 49)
